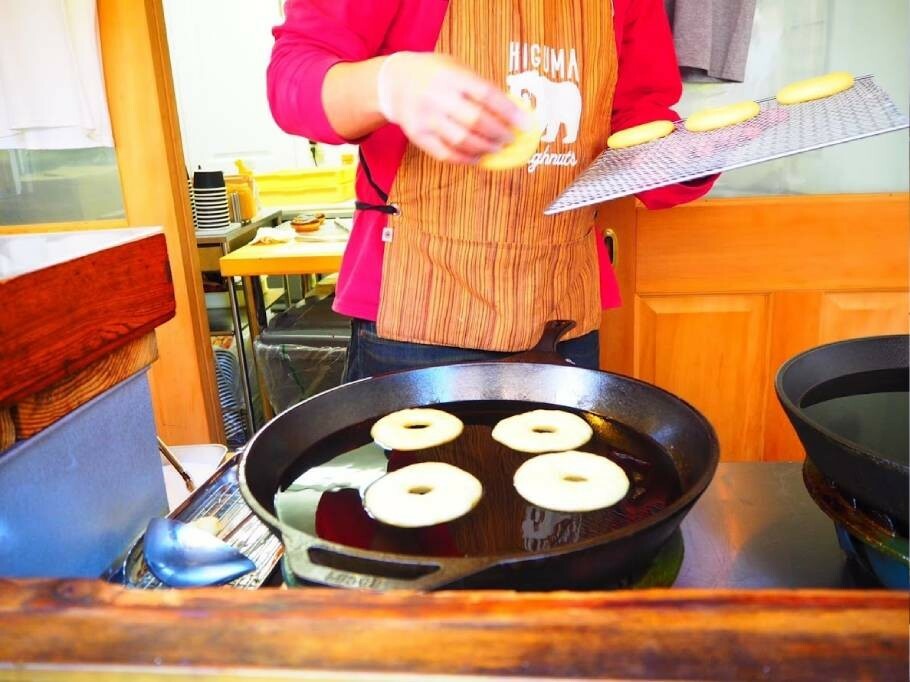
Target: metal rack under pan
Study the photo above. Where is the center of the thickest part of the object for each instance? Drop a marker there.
(219, 497)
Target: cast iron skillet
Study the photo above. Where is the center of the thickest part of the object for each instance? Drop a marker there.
(876, 481)
(538, 376)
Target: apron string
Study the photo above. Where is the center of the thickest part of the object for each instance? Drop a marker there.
(381, 208)
(366, 206)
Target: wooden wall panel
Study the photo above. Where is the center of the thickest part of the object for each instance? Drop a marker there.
(849, 315)
(776, 244)
(153, 177)
(793, 329)
(713, 352)
(804, 320)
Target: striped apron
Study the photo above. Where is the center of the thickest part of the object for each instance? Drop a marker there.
(470, 259)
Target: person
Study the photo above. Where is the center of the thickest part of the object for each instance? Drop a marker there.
(449, 262)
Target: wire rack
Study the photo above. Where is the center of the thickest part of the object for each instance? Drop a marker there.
(219, 497)
(778, 131)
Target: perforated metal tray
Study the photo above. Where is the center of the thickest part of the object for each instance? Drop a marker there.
(219, 497)
(862, 111)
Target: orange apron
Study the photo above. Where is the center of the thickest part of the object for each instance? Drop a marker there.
(470, 259)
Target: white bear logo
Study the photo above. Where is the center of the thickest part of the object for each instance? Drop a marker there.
(557, 104)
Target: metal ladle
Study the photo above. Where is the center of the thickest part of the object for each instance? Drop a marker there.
(181, 555)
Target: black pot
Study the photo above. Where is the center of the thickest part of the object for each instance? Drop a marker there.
(855, 367)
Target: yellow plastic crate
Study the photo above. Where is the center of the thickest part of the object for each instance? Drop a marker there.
(306, 186)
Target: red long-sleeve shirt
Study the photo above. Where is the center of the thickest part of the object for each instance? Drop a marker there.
(317, 34)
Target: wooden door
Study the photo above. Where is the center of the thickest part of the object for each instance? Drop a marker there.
(711, 351)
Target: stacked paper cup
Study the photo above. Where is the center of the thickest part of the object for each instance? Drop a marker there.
(210, 200)
(189, 189)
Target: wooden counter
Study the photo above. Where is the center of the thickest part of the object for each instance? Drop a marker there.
(79, 314)
(96, 628)
(291, 258)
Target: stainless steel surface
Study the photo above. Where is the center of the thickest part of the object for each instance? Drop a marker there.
(219, 497)
(757, 527)
(181, 555)
(174, 462)
(863, 111)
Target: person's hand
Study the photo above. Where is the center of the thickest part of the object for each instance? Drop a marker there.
(444, 108)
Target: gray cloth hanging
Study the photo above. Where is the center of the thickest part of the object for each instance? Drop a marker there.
(711, 38)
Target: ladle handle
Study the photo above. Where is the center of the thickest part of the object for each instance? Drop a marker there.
(174, 462)
(545, 352)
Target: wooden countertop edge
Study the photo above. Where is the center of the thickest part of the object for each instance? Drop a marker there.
(277, 263)
(672, 634)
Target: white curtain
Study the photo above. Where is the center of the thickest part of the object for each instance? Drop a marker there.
(52, 92)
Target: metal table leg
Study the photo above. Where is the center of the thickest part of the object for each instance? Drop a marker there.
(241, 355)
(252, 297)
(287, 291)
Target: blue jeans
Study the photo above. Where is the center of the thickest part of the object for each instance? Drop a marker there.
(369, 354)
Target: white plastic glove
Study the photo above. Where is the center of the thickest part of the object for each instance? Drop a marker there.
(444, 108)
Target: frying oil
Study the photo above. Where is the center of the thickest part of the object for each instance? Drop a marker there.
(327, 498)
(871, 409)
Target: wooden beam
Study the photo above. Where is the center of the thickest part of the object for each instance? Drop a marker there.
(40, 410)
(765, 244)
(651, 634)
(153, 178)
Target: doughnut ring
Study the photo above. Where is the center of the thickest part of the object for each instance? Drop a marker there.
(423, 494)
(543, 431)
(416, 429)
(571, 481)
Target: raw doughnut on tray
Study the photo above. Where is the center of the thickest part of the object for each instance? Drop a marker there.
(816, 88)
(646, 132)
(543, 431)
(416, 429)
(424, 494)
(721, 117)
(571, 481)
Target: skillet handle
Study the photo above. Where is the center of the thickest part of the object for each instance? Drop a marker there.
(545, 351)
(304, 553)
